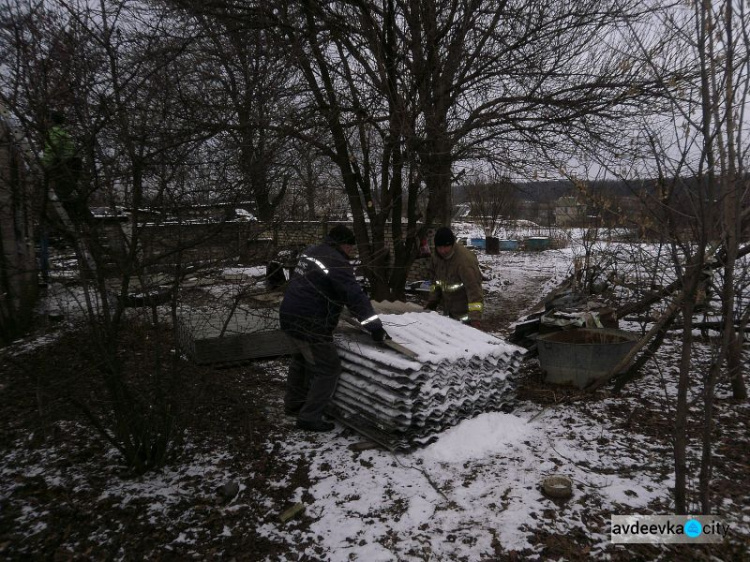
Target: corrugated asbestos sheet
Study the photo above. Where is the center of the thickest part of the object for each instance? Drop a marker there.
(395, 400)
(226, 336)
(402, 403)
(218, 338)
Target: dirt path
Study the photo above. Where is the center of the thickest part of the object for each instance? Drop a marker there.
(520, 284)
(505, 308)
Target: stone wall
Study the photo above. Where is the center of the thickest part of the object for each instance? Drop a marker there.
(255, 243)
(207, 241)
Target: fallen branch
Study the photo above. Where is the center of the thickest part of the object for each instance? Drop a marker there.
(676, 285)
(655, 344)
(427, 477)
(666, 319)
(713, 325)
(242, 292)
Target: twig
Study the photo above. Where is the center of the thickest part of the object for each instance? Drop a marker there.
(231, 311)
(427, 477)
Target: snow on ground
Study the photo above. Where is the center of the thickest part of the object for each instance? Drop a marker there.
(475, 492)
(476, 488)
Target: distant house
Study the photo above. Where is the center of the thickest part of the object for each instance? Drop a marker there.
(112, 213)
(245, 215)
(461, 211)
(18, 268)
(569, 211)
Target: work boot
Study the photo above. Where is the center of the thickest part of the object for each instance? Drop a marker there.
(317, 425)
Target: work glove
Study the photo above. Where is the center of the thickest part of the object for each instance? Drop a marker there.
(380, 335)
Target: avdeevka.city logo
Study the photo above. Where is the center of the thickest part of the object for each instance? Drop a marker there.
(668, 529)
(693, 528)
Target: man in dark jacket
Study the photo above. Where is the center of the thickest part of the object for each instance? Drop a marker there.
(321, 285)
(456, 280)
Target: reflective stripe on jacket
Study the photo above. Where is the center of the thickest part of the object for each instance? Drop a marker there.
(457, 284)
(321, 285)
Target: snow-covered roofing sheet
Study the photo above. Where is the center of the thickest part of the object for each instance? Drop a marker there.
(402, 402)
(434, 338)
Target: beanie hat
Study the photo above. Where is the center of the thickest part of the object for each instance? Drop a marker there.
(57, 118)
(444, 237)
(342, 235)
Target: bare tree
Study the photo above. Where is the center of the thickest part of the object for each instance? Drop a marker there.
(724, 88)
(252, 90)
(696, 204)
(124, 81)
(490, 73)
(320, 189)
(405, 89)
(491, 202)
(713, 157)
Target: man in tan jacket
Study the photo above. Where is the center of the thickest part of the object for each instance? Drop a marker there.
(456, 280)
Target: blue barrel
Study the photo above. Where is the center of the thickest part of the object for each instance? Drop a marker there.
(537, 243)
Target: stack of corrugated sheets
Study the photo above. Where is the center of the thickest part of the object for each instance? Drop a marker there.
(402, 402)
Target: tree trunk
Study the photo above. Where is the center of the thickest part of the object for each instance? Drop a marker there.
(734, 366)
(378, 265)
(681, 412)
(437, 172)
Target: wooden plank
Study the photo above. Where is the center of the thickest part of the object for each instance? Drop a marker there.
(397, 347)
(293, 511)
(364, 446)
(401, 349)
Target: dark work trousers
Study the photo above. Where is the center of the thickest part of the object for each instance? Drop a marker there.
(311, 382)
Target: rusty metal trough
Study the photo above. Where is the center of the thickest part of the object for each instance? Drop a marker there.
(582, 355)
